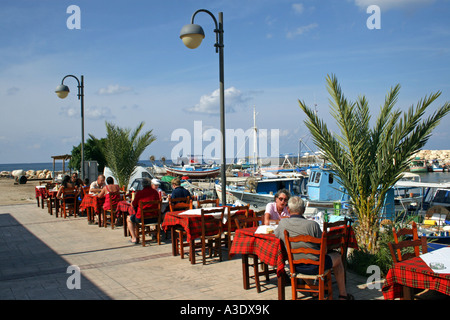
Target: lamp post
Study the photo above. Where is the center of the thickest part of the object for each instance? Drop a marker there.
(62, 91)
(192, 36)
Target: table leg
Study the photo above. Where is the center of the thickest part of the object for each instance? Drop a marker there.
(191, 250)
(407, 293)
(125, 223)
(173, 235)
(281, 284)
(245, 271)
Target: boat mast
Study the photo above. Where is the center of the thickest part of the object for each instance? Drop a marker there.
(255, 141)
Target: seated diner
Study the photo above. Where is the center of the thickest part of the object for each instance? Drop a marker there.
(296, 225)
(278, 209)
(146, 194)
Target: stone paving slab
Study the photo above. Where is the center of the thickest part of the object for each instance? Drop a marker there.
(36, 250)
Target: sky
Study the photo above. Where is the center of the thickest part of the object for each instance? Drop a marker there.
(276, 52)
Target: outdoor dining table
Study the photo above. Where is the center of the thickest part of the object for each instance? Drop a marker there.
(92, 203)
(40, 194)
(416, 273)
(270, 250)
(126, 209)
(190, 221)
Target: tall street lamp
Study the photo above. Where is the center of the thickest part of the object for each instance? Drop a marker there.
(62, 91)
(192, 36)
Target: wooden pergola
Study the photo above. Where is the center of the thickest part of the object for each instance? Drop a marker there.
(64, 158)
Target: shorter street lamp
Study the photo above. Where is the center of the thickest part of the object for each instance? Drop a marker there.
(192, 36)
(62, 91)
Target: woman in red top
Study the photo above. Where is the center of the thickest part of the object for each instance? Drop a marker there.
(146, 194)
(111, 192)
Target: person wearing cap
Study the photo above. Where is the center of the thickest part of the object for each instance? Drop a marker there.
(156, 185)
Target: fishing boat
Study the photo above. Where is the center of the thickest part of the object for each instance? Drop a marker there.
(436, 167)
(193, 172)
(258, 192)
(319, 189)
(432, 211)
(418, 165)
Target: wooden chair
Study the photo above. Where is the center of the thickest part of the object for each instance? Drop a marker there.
(407, 249)
(69, 202)
(338, 239)
(180, 204)
(249, 222)
(51, 201)
(323, 277)
(148, 213)
(211, 235)
(404, 250)
(109, 216)
(230, 228)
(205, 203)
(403, 234)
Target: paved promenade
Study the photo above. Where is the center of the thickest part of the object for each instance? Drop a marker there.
(37, 251)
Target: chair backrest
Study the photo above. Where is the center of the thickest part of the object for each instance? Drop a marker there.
(337, 233)
(85, 189)
(150, 209)
(180, 204)
(232, 215)
(115, 197)
(400, 236)
(402, 250)
(69, 196)
(68, 193)
(204, 203)
(321, 252)
(248, 222)
(211, 225)
(259, 213)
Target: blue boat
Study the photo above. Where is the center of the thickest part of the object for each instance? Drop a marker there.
(320, 190)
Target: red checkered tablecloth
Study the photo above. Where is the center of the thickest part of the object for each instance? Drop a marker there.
(267, 247)
(414, 273)
(40, 192)
(191, 223)
(125, 207)
(91, 201)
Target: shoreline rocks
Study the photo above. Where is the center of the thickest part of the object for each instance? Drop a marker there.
(443, 156)
(30, 174)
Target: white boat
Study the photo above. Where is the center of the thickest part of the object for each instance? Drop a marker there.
(435, 166)
(193, 172)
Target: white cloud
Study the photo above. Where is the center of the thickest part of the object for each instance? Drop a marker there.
(93, 113)
(113, 89)
(301, 30)
(390, 4)
(298, 8)
(210, 103)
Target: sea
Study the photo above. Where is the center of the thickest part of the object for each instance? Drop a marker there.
(58, 165)
(436, 177)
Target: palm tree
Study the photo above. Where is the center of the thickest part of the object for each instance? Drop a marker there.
(123, 148)
(369, 161)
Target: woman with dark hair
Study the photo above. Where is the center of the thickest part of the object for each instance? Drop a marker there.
(111, 192)
(65, 184)
(278, 209)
